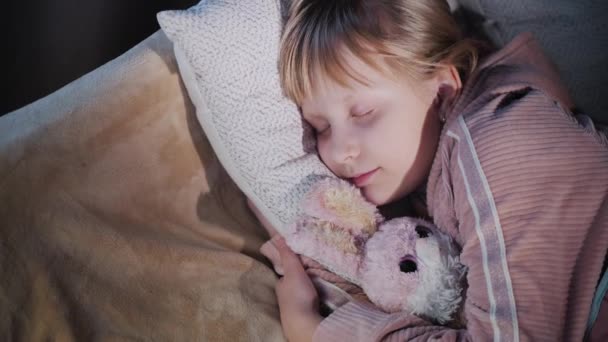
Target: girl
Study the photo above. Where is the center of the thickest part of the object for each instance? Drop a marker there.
(401, 106)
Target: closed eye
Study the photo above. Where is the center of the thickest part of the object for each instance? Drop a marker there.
(364, 114)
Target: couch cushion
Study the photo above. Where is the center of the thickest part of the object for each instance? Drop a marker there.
(573, 33)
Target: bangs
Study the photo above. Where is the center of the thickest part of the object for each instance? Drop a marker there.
(411, 38)
(317, 48)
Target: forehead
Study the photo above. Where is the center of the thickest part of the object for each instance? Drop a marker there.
(349, 68)
(345, 82)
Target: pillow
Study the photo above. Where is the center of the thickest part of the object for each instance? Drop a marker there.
(573, 33)
(227, 53)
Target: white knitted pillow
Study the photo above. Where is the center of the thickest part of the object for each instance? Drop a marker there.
(227, 53)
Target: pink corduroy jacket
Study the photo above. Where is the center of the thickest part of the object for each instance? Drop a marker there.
(522, 185)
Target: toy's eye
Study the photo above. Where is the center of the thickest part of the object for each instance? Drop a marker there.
(408, 266)
(423, 232)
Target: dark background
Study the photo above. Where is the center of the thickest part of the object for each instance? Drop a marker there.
(50, 43)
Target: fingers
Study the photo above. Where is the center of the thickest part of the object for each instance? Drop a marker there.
(291, 262)
(283, 259)
(270, 251)
(310, 263)
(279, 253)
(295, 291)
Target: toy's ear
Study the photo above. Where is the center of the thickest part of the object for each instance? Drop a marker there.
(339, 216)
(444, 299)
(342, 204)
(334, 247)
(440, 293)
(336, 223)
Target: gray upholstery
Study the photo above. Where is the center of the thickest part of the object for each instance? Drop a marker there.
(573, 33)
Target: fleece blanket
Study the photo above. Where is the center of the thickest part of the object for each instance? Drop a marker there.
(117, 221)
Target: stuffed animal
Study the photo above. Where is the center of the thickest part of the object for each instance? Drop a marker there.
(401, 264)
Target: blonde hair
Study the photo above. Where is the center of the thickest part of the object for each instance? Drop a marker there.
(413, 36)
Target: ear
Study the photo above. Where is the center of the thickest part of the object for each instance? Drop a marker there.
(448, 85)
(448, 80)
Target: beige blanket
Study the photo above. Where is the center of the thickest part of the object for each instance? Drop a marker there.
(118, 223)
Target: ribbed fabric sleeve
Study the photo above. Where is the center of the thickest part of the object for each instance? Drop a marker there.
(357, 321)
(522, 185)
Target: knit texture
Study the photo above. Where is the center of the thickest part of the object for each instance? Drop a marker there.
(227, 52)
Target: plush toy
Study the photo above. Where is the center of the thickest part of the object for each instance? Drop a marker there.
(401, 264)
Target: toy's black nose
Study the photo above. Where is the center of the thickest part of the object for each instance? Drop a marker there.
(423, 232)
(408, 266)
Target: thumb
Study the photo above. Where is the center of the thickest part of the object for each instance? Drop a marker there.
(291, 262)
(270, 251)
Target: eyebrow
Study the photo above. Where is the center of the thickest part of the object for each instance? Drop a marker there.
(346, 99)
(312, 116)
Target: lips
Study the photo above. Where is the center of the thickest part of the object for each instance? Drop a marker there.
(363, 179)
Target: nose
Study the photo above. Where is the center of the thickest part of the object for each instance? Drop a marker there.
(345, 146)
(408, 265)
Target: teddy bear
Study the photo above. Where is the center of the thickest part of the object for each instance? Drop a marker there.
(402, 264)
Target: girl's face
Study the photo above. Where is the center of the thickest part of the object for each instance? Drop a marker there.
(381, 136)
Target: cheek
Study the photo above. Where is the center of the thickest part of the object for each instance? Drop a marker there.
(323, 151)
(393, 143)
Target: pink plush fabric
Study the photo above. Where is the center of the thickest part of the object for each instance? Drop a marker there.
(404, 264)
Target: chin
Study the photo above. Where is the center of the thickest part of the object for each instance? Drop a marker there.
(377, 198)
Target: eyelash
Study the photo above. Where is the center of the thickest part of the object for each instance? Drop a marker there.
(364, 115)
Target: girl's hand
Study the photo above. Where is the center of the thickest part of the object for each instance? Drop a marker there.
(296, 294)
